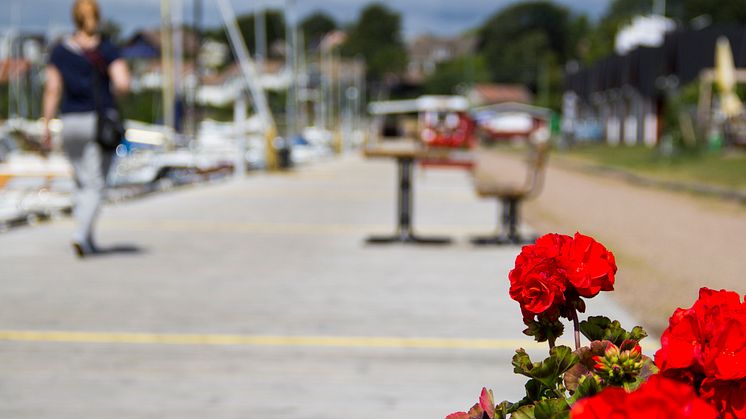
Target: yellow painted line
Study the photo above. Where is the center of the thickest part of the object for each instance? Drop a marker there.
(244, 227)
(356, 193)
(319, 194)
(250, 340)
(198, 226)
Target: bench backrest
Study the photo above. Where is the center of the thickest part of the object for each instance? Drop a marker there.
(517, 172)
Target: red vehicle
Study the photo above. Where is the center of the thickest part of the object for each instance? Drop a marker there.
(444, 122)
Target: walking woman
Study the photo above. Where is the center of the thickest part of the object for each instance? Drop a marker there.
(83, 76)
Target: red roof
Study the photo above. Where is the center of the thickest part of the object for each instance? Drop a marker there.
(485, 94)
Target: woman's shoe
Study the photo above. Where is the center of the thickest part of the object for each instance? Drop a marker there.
(82, 249)
(78, 249)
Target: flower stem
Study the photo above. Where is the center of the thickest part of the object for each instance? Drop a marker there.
(576, 327)
(551, 343)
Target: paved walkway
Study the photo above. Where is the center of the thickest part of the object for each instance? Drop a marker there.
(258, 299)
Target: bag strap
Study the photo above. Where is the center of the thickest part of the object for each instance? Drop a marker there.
(96, 72)
(98, 67)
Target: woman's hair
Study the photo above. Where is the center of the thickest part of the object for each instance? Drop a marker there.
(86, 14)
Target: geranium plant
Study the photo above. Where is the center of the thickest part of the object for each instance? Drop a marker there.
(703, 351)
(705, 347)
(659, 397)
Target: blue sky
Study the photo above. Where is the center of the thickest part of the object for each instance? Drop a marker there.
(441, 17)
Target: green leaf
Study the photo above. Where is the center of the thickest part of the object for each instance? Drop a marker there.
(502, 410)
(551, 409)
(544, 329)
(602, 328)
(595, 327)
(547, 372)
(522, 362)
(588, 385)
(648, 369)
(616, 334)
(638, 333)
(525, 412)
(535, 391)
(565, 358)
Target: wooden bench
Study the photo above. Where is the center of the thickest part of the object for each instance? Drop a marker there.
(510, 177)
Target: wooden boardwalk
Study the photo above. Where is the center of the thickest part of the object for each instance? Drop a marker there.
(259, 299)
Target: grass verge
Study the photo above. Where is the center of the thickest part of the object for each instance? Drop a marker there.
(724, 169)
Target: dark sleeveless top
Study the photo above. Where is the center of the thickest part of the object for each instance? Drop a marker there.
(78, 75)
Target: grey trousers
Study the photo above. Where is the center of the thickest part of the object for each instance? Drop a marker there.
(91, 168)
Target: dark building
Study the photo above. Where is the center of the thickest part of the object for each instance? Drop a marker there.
(621, 97)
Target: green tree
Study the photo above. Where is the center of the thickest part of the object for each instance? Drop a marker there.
(111, 30)
(316, 25)
(449, 76)
(528, 43)
(274, 24)
(620, 10)
(721, 11)
(580, 31)
(520, 39)
(376, 36)
(142, 106)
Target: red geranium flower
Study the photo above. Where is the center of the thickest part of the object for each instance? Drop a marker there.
(708, 339)
(538, 287)
(538, 281)
(658, 398)
(590, 267)
(725, 352)
(705, 346)
(681, 343)
(728, 397)
(557, 269)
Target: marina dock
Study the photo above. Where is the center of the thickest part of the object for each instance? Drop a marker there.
(259, 298)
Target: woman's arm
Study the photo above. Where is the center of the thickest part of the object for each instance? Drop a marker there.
(120, 77)
(52, 95)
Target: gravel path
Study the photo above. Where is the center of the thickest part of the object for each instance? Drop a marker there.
(667, 244)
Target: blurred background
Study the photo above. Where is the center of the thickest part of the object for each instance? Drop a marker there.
(262, 145)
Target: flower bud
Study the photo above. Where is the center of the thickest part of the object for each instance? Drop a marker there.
(616, 366)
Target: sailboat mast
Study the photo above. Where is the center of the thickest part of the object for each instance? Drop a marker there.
(291, 62)
(167, 71)
(178, 51)
(260, 36)
(197, 29)
(251, 77)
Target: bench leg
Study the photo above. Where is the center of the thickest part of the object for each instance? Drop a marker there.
(508, 221)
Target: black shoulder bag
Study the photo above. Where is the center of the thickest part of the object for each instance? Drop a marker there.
(109, 126)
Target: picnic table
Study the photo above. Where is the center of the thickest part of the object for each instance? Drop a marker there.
(405, 151)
